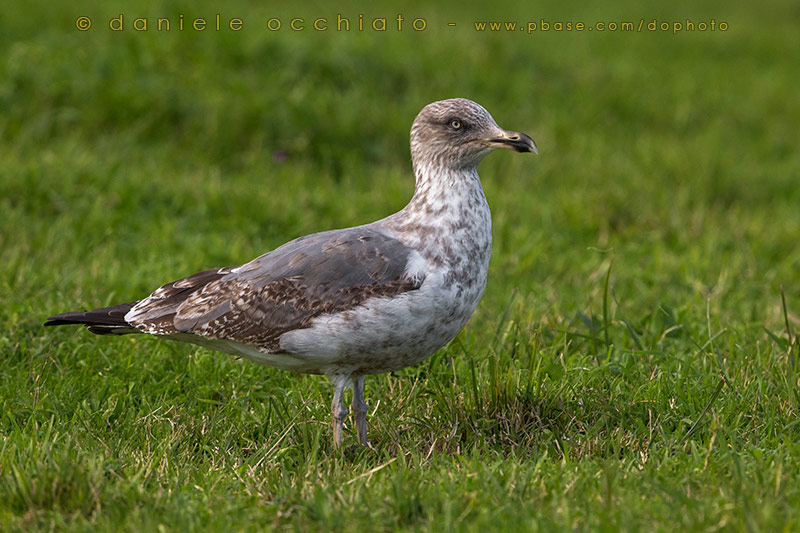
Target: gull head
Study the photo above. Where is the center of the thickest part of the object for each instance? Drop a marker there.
(458, 133)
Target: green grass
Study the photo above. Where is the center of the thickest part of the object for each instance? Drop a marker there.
(633, 364)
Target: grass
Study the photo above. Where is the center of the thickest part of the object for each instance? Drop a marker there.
(633, 364)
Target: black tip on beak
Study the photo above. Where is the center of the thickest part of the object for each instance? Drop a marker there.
(514, 140)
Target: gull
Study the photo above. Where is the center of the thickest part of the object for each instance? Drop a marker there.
(349, 302)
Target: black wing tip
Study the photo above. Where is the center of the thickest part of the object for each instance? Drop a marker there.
(113, 316)
(63, 319)
(56, 320)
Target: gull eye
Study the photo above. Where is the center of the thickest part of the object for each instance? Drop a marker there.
(456, 124)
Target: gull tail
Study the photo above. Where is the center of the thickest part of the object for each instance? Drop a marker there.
(104, 321)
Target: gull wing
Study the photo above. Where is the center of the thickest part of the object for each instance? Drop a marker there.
(282, 290)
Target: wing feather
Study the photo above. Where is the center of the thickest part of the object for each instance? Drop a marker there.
(282, 290)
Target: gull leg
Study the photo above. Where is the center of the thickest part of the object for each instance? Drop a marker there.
(360, 410)
(338, 409)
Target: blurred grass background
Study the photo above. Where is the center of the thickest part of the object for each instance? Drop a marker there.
(631, 365)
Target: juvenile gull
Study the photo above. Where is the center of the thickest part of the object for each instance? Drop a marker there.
(355, 301)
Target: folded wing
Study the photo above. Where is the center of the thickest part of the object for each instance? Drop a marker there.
(282, 290)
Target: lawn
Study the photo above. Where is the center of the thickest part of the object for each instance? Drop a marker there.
(633, 362)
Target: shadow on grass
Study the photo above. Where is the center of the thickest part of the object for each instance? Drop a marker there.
(523, 425)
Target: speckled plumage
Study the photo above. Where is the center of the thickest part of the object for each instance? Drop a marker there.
(356, 301)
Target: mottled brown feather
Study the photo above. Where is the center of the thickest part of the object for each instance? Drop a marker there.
(282, 290)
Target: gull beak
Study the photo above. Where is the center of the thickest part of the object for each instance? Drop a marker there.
(513, 140)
